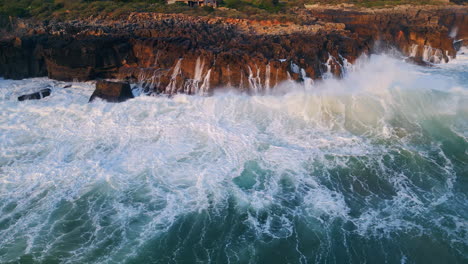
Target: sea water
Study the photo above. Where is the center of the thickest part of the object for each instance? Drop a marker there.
(371, 168)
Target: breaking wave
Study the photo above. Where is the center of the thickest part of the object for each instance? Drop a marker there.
(370, 168)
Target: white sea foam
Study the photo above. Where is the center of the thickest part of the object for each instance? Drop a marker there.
(137, 167)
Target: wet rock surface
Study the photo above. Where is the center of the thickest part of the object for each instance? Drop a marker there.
(418, 61)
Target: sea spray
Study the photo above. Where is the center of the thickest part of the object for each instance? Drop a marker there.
(370, 168)
(172, 86)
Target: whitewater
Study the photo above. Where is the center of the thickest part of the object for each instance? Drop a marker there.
(370, 168)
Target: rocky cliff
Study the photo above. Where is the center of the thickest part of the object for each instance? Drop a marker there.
(178, 53)
(427, 32)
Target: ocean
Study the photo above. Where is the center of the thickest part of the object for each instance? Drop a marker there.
(370, 168)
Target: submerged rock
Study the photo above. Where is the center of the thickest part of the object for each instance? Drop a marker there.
(114, 92)
(36, 96)
(418, 61)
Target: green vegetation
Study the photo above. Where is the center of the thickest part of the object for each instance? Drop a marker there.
(380, 3)
(259, 9)
(71, 9)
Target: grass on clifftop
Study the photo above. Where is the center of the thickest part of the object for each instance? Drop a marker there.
(383, 3)
(73, 9)
(254, 9)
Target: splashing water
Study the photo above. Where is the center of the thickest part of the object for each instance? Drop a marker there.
(172, 86)
(371, 168)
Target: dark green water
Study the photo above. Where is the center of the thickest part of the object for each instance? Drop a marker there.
(370, 169)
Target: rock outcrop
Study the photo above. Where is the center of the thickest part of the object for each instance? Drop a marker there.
(183, 54)
(114, 92)
(21, 58)
(427, 32)
(36, 96)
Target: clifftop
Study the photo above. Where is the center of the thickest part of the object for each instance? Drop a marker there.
(249, 9)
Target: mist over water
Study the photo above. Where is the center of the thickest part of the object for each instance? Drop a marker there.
(371, 168)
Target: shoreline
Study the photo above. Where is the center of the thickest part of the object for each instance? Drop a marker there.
(185, 54)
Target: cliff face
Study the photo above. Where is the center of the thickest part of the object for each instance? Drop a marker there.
(177, 53)
(427, 33)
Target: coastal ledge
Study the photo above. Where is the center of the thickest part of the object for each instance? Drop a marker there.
(185, 54)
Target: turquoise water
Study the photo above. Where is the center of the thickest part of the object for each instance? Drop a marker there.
(369, 169)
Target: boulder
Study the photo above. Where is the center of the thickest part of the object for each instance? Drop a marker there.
(35, 96)
(114, 92)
